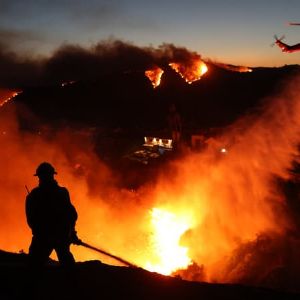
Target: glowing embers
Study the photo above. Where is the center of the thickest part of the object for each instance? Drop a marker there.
(167, 231)
(7, 95)
(154, 76)
(190, 71)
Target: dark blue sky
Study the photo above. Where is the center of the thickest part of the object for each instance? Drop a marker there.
(230, 31)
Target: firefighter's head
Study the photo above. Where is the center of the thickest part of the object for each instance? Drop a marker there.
(45, 170)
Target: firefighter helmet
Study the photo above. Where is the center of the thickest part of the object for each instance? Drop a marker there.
(45, 169)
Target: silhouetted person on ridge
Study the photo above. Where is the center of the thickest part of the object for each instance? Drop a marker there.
(174, 122)
(51, 217)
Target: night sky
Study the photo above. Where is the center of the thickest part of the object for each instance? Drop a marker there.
(229, 31)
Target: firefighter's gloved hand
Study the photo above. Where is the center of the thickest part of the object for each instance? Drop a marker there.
(75, 239)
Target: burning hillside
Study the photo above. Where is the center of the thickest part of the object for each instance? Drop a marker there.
(192, 71)
(110, 85)
(7, 95)
(154, 76)
(209, 216)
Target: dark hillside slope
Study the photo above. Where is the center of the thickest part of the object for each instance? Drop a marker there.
(94, 280)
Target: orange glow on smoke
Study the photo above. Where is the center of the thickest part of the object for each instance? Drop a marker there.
(7, 95)
(192, 71)
(240, 69)
(154, 76)
(167, 230)
(203, 206)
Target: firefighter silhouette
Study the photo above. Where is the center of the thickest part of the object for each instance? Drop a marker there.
(51, 217)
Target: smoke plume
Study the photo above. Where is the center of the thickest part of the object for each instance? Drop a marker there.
(74, 62)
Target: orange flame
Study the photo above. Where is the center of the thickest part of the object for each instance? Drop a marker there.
(7, 95)
(154, 76)
(190, 72)
(167, 230)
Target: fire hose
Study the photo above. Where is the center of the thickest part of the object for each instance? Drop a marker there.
(79, 242)
(117, 258)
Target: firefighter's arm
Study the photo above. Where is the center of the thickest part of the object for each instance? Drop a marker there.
(74, 239)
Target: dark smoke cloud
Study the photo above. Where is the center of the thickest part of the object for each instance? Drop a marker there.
(18, 71)
(73, 62)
